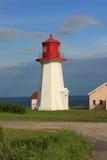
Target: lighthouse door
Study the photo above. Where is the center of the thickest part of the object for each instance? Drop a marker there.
(64, 96)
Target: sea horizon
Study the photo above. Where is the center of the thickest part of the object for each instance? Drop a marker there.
(74, 100)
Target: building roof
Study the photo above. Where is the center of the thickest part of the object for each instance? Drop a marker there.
(34, 95)
(50, 40)
(104, 84)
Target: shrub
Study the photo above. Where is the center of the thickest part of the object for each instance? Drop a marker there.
(64, 145)
(12, 108)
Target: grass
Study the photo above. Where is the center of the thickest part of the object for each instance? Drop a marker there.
(73, 115)
(30, 145)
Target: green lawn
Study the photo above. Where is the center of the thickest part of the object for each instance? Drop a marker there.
(71, 115)
(31, 145)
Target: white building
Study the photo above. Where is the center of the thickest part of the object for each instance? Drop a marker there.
(34, 100)
(52, 94)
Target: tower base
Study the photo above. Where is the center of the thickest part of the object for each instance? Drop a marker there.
(52, 96)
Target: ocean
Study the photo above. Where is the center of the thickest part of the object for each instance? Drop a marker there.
(26, 101)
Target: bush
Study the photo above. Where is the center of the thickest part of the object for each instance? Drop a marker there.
(64, 145)
(12, 108)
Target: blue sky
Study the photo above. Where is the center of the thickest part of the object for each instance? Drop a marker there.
(81, 26)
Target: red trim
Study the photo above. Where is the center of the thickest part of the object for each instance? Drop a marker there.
(34, 95)
(61, 59)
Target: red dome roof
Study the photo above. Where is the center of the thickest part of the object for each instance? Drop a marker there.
(51, 51)
(34, 95)
(51, 40)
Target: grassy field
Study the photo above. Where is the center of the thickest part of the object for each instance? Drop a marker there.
(66, 116)
(63, 145)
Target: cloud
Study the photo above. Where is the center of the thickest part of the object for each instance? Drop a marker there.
(13, 34)
(77, 23)
(11, 64)
(96, 48)
(37, 20)
(99, 47)
(102, 42)
(21, 79)
(80, 76)
(83, 75)
(8, 34)
(19, 51)
(26, 50)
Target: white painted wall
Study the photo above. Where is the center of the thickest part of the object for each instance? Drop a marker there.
(52, 94)
(33, 104)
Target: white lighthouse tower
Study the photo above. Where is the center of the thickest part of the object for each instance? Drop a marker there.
(52, 94)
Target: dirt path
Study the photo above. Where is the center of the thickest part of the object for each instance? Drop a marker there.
(97, 132)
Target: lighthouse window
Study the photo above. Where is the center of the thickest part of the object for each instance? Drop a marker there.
(52, 48)
(44, 49)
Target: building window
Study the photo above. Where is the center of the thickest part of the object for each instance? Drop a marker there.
(101, 102)
(94, 102)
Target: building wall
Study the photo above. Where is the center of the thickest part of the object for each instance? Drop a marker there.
(106, 104)
(99, 94)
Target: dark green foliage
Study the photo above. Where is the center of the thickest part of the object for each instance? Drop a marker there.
(12, 108)
(64, 145)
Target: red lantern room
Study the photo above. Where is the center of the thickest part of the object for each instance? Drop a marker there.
(51, 51)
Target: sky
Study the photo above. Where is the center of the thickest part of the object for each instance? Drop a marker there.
(80, 26)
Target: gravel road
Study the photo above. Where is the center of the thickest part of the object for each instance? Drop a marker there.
(96, 132)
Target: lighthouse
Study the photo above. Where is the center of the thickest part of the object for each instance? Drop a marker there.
(52, 93)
